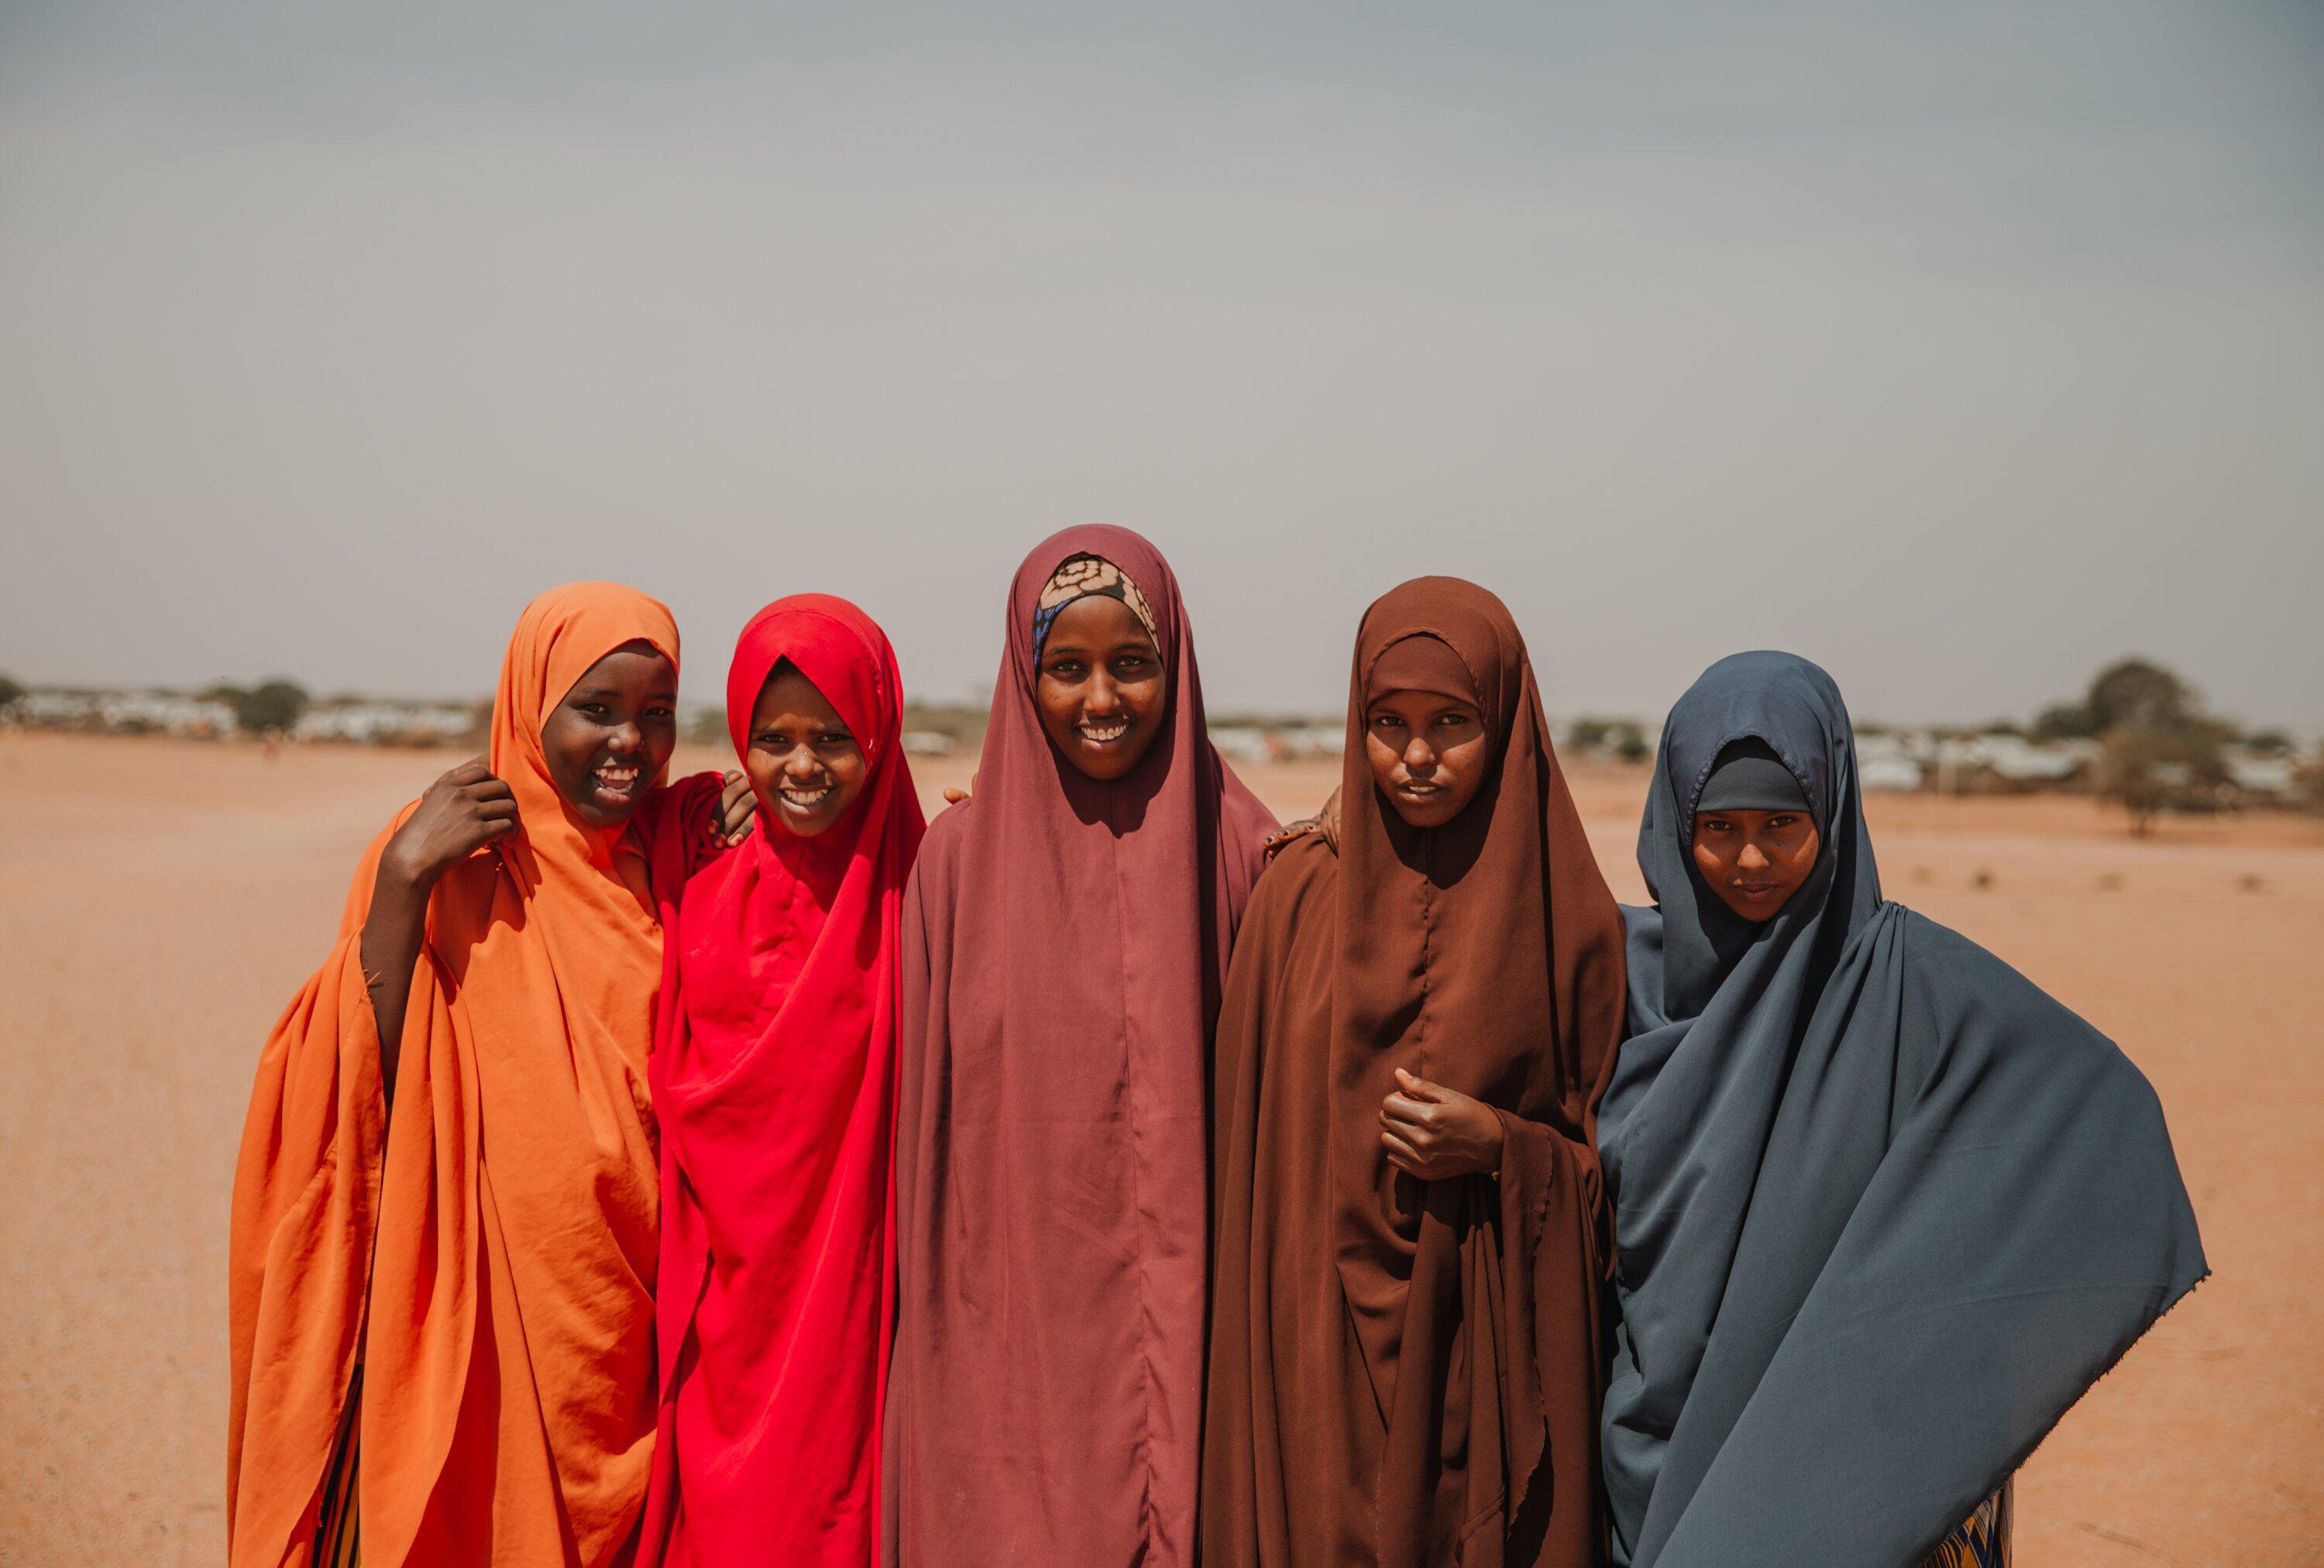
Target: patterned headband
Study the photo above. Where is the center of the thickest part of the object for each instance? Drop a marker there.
(1077, 578)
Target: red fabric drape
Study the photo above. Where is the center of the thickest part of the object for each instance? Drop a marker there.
(774, 1077)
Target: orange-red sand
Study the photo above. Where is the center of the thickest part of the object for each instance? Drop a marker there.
(163, 901)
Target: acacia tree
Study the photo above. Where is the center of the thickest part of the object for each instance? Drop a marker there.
(2159, 750)
(2129, 691)
(2151, 769)
(274, 704)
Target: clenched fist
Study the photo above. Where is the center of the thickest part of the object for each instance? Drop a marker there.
(1435, 1133)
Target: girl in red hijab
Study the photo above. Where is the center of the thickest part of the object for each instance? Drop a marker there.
(774, 1073)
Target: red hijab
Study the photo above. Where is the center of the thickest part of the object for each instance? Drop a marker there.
(774, 1077)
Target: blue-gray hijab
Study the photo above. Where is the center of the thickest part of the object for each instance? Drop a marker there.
(1883, 1209)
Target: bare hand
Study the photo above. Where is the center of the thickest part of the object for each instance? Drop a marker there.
(1326, 822)
(1435, 1133)
(737, 810)
(462, 812)
(954, 794)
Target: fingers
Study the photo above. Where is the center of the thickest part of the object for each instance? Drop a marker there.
(954, 795)
(1402, 1155)
(1403, 1111)
(502, 808)
(473, 781)
(1418, 1087)
(738, 808)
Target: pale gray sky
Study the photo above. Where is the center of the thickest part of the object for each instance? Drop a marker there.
(1962, 348)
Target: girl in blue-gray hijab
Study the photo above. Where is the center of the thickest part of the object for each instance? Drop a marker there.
(1883, 1209)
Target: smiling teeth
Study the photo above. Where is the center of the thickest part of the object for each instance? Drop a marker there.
(806, 797)
(1098, 733)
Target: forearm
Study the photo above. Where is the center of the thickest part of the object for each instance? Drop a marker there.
(392, 935)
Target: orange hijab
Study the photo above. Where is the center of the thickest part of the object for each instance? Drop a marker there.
(494, 1272)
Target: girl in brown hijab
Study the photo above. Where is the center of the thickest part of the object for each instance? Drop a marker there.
(1411, 1237)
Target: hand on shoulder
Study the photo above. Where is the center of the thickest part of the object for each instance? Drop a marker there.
(1324, 825)
(462, 811)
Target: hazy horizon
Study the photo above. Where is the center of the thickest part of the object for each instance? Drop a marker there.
(1962, 351)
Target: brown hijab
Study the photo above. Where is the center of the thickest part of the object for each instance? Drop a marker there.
(1485, 956)
(1063, 941)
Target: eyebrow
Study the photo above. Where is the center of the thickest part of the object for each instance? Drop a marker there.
(1134, 644)
(1059, 647)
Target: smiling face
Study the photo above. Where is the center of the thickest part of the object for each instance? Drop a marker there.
(610, 737)
(804, 765)
(1428, 754)
(1101, 690)
(1755, 860)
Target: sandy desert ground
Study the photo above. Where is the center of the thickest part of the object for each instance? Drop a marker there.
(163, 900)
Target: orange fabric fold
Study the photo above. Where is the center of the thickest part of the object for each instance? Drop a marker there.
(488, 1255)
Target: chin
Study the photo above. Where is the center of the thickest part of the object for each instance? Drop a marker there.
(1433, 814)
(1106, 767)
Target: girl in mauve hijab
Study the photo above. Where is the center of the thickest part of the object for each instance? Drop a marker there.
(1063, 941)
(774, 1079)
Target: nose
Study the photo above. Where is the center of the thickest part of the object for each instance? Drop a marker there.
(1753, 858)
(802, 763)
(1104, 699)
(1418, 757)
(626, 737)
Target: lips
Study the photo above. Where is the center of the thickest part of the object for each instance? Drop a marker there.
(1104, 732)
(803, 800)
(617, 780)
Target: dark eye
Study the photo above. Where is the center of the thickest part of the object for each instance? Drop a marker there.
(595, 710)
(1387, 721)
(1065, 670)
(837, 738)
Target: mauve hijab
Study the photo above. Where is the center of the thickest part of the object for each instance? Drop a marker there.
(1065, 940)
(1884, 1210)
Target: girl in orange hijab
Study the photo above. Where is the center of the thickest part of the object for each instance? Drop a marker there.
(443, 1319)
